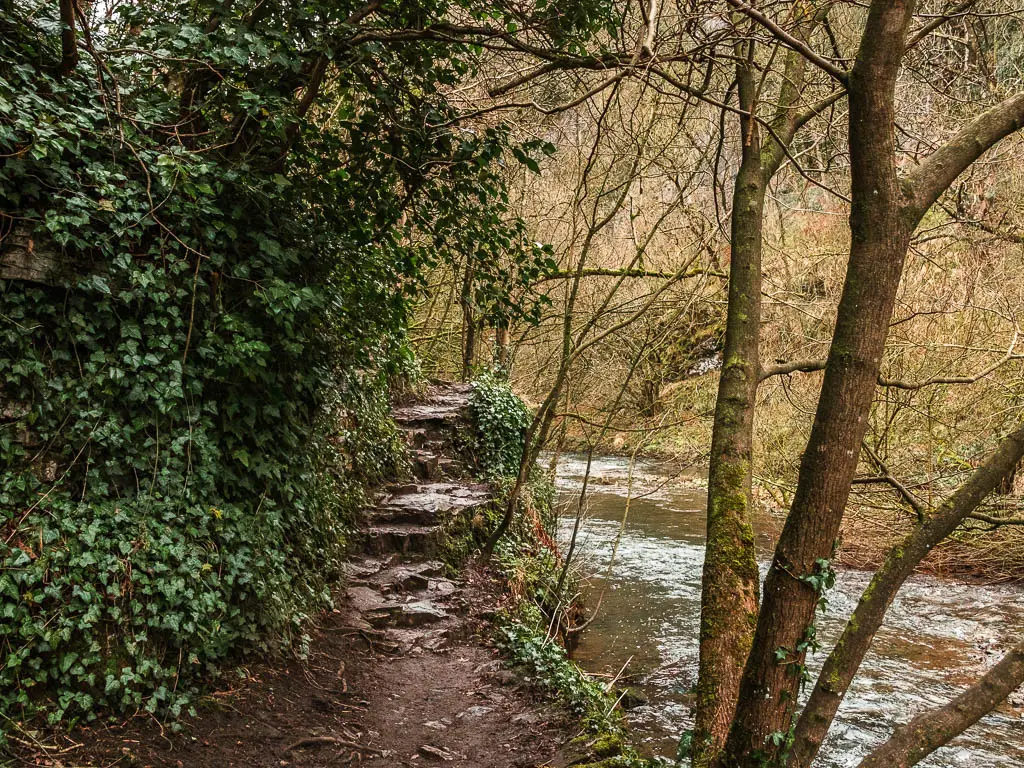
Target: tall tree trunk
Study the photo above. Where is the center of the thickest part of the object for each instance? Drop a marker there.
(845, 659)
(879, 242)
(468, 322)
(729, 590)
(68, 38)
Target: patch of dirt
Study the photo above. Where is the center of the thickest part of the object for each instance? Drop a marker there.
(351, 703)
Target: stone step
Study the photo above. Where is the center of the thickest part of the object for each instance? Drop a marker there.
(425, 464)
(450, 469)
(411, 577)
(404, 538)
(414, 614)
(414, 437)
(431, 417)
(429, 502)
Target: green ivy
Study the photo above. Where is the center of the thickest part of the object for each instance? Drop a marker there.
(500, 420)
(192, 406)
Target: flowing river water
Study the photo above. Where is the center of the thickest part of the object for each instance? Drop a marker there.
(939, 634)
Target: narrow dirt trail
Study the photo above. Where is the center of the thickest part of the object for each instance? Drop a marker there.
(401, 673)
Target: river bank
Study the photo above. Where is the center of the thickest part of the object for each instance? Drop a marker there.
(939, 635)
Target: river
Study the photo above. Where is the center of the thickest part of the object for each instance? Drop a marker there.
(937, 637)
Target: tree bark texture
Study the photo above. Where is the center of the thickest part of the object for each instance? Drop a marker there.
(729, 587)
(879, 242)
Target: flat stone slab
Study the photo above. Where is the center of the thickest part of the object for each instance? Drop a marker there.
(413, 614)
(412, 576)
(365, 599)
(447, 403)
(439, 497)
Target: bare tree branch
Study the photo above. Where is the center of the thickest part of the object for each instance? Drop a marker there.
(929, 730)
(839, 75)
(783, 368)
(938, 21)
(915, 503)
(926, 184)
(611, 272)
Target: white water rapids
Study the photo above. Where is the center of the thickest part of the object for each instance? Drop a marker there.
(938, 636)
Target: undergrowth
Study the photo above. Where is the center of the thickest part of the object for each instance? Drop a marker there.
(500, 419)
(529, 563)
(209, 292)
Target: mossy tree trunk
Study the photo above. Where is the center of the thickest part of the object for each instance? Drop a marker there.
(730, 583)
(729, 597)
(771, 681)
(885, 211)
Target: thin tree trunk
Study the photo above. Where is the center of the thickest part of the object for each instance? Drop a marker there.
(68, 38)
(729, 589)
(468, 322)
(934, 728)
(845, 659)
(502, 344)
(879, 244)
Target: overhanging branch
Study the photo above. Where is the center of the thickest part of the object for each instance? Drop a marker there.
(839, 75)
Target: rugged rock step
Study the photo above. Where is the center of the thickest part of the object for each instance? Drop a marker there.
(425, 464)
(429, 503)
(442, 405)
(412, 577)
(403, 538)
(414, 614)
(398, 598)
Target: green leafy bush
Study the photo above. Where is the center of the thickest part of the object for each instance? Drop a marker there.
(500, 420)
(523, 639)
(193, 401)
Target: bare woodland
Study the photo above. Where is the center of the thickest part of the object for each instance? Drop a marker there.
(789, 243)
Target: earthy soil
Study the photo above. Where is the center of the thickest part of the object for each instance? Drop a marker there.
(400, 673)
(351, 702)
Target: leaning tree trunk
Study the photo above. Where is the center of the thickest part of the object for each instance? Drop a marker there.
(879, 242)
(845, 659)
(935, 728)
